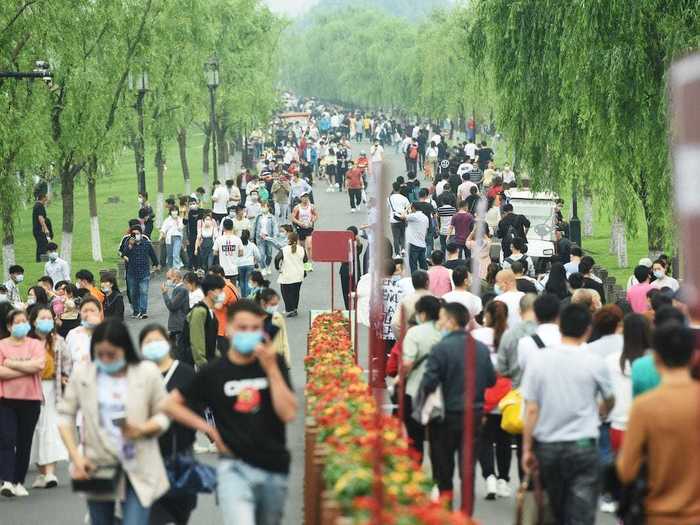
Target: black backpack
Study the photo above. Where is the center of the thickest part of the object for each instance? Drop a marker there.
(523, 261)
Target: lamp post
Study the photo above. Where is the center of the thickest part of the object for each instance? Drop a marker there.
(575, 222)
(140, 85)
(212, 74)
(41, 70)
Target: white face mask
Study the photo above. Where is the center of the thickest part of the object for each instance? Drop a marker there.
(3, 298)
(173, 214)
(19, 277)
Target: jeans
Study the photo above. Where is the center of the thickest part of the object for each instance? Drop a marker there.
(570, 475)
(266, 248)
(173, 252)
(355, 197)
(249, 495)
(398, 232)
(493, 436)
(138, 289)
(102, 512)
(281, 212)
(243, 274)
(206, 253)
(416, 258)
(414, 430)
(18, 418)
(290, 296)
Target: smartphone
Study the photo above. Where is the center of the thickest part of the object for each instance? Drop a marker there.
(271, 330)
(119, 419)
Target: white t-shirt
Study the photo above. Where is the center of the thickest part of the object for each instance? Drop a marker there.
(78, 346)
(377, 153)
(512, 300)
(397, 204)
(470, 150)
(470, 301)
(416, 229)
(220, 200)
(622, 385)
(111, 403)
(196, 297)
(550, 335)
(228, 246)
(440, 187)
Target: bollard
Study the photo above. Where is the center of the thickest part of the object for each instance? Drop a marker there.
(330, 510)
(310, 435)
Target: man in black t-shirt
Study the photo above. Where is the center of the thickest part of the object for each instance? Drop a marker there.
(249, 393)
(41, 225)
(510, 227)
(484, 156)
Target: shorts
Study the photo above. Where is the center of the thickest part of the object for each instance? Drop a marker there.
(303, 233)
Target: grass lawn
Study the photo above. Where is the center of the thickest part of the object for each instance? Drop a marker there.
(113, 217)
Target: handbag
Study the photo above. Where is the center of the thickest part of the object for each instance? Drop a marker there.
(396, 217)
(103, 480)
(511, 407)
(185, 474)
(532, 506)
(429, 407)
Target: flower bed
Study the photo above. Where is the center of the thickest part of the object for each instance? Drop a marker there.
(343, 412)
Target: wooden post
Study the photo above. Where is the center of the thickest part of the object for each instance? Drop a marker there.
(330, 509)
(310, 435)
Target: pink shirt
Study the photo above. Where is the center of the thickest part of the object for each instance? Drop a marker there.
(27, 386)
(440, 281)
(637, 297)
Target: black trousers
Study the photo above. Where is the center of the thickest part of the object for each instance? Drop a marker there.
(445, 439)
(355, 197)
(42, 244)
(493, 436)
(18, 418)
(290, 295)
(415, 431)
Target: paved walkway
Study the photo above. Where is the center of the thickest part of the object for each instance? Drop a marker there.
(61, 507)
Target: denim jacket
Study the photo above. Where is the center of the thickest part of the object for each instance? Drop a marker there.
(270, 230)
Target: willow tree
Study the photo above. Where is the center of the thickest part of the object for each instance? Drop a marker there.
(581, 92)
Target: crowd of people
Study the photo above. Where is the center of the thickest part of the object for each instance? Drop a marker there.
(601, 385)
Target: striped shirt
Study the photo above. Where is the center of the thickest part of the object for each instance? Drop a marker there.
(445, 212)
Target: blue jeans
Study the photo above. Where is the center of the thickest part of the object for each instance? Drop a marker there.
(570, 475)
(173, 253)
(416, 258)
(266, 248)
(102, 512)
(138, 289)
(243, 274)
(249, 495)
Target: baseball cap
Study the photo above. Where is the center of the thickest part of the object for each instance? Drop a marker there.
(645, 261)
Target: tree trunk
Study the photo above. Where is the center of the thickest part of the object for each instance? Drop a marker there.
(92, 205)
(67, 198)
(8, 241)
(160, 169)
(612, 245)
(140, 147)
(587, 214)
(621, 245)
(205, 159)
(184, 164)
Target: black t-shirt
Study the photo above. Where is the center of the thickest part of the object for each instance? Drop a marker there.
(513, 225)
(485, 155)
(239, 397)
(456, 263)
(38, 211)
(525, 286)
(184, 436)
(425, 207)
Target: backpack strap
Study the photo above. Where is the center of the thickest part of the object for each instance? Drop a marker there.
(538, 341)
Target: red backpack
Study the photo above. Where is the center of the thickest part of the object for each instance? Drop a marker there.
(413, 152)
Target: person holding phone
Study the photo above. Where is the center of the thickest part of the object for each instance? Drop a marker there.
(249, 392)
(275, 324)
(118, 395)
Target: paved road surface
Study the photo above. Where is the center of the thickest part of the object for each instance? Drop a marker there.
(61, 507)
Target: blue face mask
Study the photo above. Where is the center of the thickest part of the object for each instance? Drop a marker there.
(156, 350)
(20, 330)
(444, 332)
(245, 342)
(44, 326)
(87, 324)
(111, 368)
(497, 289)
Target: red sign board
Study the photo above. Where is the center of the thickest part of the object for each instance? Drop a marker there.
(331, 246)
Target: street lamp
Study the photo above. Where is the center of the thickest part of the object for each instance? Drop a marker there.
(212, 74)
(41, 70)
(575, 222)
(140, 85)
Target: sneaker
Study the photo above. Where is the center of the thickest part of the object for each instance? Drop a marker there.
(352, 210)
(308, 267)
(293, 313)
(20, 490)
(200, 449)
(135, 315)
(8, 490)
(143, 316)
(608, 506)
(503, 489)
(491, 487)
(51, 481)
(39, 482)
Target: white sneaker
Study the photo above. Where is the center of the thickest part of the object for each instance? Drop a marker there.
(20, 490)
(491, 487)
(39, 482)
(7, 489)
(503, 489)
(200, 449)
(352, 210)
(51, 481)
(608, 506)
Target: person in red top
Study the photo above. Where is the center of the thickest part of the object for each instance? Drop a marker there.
(495, 189)
(363, 163)
(232, 294)
(355, 185)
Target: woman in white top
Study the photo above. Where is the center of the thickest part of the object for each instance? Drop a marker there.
(247, 261)
(290, 263)
(171, 231)
(78, 339)
(196, 295)
(660, 269)
(636, 342)
(495, 323)
(431, 157)
(207, 232)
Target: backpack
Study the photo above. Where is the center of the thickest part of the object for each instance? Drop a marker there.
(185, 352)
(413, 152)
(523, 261)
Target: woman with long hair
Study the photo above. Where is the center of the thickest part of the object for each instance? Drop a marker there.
(636, 342)
(37, 295)
(290, 263)
(179, 439)
(247, 262)
(114, 301)
(21, 361)
(47, 446)
(256, 284)
(557, 283)
(494, 438)
(118, 396)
